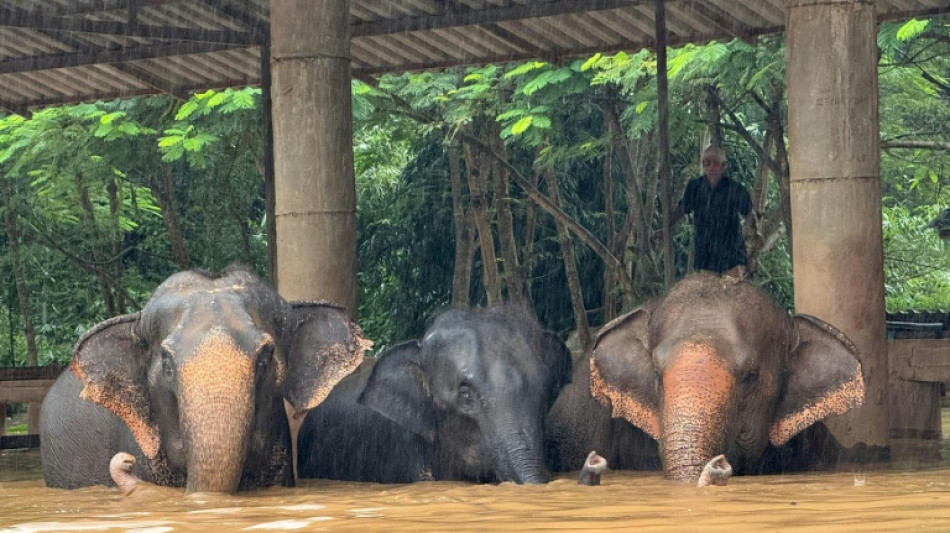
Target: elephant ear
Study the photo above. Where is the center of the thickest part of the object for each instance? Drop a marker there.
(397, 389)
(824, 378)
(557, 359)
(112, 364)
(622, 371)
(322, 346)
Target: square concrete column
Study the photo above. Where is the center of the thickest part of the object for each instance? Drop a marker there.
(315, 193)
(835, 192)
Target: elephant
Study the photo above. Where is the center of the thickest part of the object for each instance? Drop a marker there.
(465, 402)
(193, 385)
(713, 367)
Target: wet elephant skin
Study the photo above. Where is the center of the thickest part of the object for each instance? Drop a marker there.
(714, 367)
(193, 385)
(465, 402)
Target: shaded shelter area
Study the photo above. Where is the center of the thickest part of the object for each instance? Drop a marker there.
(304, 53)
(67, 51)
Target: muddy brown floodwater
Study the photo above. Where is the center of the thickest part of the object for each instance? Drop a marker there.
(888, 500)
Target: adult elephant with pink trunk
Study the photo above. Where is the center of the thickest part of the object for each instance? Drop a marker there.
(715, 367)
(193, 385)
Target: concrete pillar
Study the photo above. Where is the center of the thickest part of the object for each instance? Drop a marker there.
(314, 187)
(315, 194)
(835, 192)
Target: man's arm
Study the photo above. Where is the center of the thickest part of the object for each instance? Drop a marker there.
(677, 215)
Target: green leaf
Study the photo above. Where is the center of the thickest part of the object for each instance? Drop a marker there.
(519, 127)
(108, 118)
(513, 113)
(541, 121)
(591, 62)
(104, 129)
(217, 100)
(760, 73)
(187, 109)
(524, 69)
(912, 28)
(169, 140)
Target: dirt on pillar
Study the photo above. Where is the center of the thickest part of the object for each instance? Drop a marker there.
(315, 193)
(836, 195)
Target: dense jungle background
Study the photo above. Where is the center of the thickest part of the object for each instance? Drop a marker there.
(533, 183)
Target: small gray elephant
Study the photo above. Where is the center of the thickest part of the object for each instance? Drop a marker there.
(466, 402)
(193, 385)
(714, 367)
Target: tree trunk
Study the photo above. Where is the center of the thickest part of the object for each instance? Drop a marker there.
(165, 195)
(112, 189)
(464, 242)
(266, 164)
(513, 275)
(19, 277)
(555, 211)
(475, 169)
(570, 266)
(530, 222)
(635, 229)
(89, 219)
(713, 117)
(776, 124)
(238, 215)
(610, 279)
(663, 143)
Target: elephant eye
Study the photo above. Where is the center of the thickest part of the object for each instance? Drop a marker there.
(265, 356)
(750, 378)
(466, 395)
(167, 365)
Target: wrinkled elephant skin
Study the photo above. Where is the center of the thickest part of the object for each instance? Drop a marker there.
(465, 402)
(193, 385)
(716, 367)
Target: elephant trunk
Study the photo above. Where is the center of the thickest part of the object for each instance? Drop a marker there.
(216, 399)
(517, 454)
(697, 394)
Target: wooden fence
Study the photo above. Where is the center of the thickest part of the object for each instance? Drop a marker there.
(24, 384)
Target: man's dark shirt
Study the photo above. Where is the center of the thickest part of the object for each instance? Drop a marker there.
(719, 244)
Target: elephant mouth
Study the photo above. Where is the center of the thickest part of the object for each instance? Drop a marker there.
(686, 473)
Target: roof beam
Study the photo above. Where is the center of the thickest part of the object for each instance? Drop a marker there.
(723, 20)
(254, 25)
(94, 56)
(106, 5)
(487, 16)
(552, 55)
(39, 21)
(148, 78)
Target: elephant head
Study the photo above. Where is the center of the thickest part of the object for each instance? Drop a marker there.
(477, 387)
(199, 376)
(717, 367)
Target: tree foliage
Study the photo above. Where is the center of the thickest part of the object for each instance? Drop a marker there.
(533, 182)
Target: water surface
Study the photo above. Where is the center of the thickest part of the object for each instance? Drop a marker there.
(845, 502)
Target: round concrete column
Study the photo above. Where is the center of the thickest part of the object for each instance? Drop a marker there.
(835, 190)
(315, 194)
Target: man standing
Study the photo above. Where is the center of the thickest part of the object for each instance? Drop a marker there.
(716, 202)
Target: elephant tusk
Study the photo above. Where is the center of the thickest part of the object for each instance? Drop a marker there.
(716, 472)
(594, 466)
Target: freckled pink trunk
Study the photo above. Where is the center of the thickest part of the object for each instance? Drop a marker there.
(216, 400)
(697, 391)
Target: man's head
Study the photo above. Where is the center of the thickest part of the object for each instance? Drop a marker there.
(714, 163)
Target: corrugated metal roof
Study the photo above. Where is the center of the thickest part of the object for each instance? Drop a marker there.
(64, 51)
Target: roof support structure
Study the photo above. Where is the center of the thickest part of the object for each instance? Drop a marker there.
(42, 21)
(833, 156)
